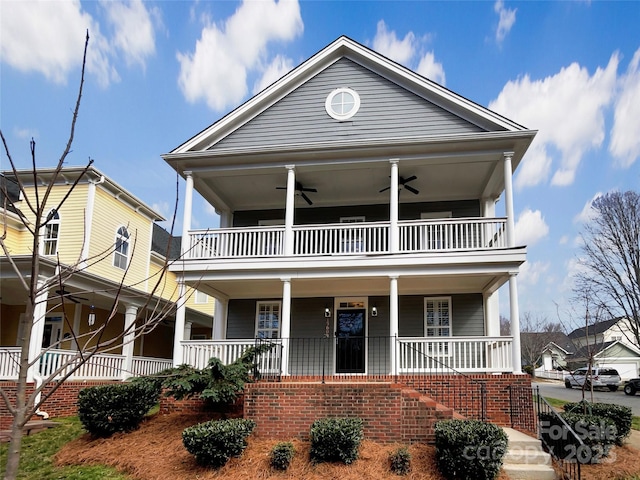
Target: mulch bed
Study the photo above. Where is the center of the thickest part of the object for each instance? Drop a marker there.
(155, 452)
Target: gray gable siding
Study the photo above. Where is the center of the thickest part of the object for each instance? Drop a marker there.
(386, 111)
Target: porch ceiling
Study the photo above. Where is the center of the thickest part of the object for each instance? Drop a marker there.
(351, 286)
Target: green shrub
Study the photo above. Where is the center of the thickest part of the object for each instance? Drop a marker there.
(213, 443)
(281, 455)
(106, 409)
(400, 461)
(469, 449)
(336, 439)
(621, 416)
(598, 434)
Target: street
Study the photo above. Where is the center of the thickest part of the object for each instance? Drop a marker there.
(556, 389)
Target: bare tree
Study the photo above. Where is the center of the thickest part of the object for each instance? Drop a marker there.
(39, 280)
(611, 258)
(535, 334)
(505, 326)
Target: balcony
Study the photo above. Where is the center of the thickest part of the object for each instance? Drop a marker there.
(415, 236)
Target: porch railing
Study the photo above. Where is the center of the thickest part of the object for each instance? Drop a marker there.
(101, 366)
(198, 352)
(350, 238)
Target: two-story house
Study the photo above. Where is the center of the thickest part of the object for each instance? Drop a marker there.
(358, 229)
(118, 252)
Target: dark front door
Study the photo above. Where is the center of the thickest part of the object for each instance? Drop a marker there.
(350, 354)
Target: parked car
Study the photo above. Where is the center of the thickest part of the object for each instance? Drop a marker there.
(599, 378)
(632, 386)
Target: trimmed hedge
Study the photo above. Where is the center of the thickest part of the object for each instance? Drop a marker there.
(281, 455)
(621, 416)
(400, 461)
(106, 409)
(336, 439)
(213, 443)
(469, 449)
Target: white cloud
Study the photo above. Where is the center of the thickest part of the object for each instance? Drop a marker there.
(530, 272)
(134, 34)
(48, 38)
(530, 227)
(25, 133)
(507, 19)
(216, 71)
(387, 43)
(278, 67)
(564, 239)
(625, 134)
(428, 67)
(568, 110)
(587, 213)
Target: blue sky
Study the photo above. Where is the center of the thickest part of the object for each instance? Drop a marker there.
(159, 72)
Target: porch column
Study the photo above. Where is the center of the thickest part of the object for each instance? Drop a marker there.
(491, 314)
(394, 233)
(178, 333)
(77, 318)
(286, 323)
(219, 319)
(515, 323)
(37, 330)
(289, 210)
(393, 322)
(508, 199)
(186, 215)
(128, 340)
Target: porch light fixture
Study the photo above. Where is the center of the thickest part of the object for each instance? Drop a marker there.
(327, 312)
(92, 316)
(374, 311)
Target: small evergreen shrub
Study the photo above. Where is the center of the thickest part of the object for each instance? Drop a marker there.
(336, 439)
(213, 443)
(621, 416)
(469, 449)
(281, 455)
(106, 409)
(400, 461)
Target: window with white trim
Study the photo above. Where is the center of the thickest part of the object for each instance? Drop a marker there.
(437, 317)
(342, 103)
(121, 253)
(201, 297)
(268, 319)
(51, 233)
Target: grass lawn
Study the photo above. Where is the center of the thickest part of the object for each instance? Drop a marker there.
(36, 462)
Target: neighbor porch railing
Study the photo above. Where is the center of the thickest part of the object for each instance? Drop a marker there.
(350, 238)
(101, 366)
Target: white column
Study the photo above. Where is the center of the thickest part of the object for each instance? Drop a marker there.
(508, 199)
(77, 318)
(491, 314)
(394, 233)
(178, 333)
(128, 340)
(220, 319)
(393, 321)
(286, 323)
(515, 324)
(186, 215)
(37, 330)
(289, 210)
(187, 330)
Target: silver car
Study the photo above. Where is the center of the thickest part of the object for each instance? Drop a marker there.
(598, 378)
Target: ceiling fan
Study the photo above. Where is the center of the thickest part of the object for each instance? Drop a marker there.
(300, 191)
(69, 296)
(402, 183)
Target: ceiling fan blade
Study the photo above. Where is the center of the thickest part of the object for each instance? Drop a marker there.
(281, 188)
(411, 189)
(305, 189)
(307, 199)
(410, 179)
(384, 189)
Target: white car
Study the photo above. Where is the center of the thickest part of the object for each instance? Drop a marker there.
(598, 378)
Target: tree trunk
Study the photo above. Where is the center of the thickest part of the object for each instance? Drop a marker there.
(13, 454)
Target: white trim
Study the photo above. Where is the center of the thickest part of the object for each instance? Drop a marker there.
(352, 303)
(271, 303)
(44, 240)
(438, 326)
(342, 116)
(124, 237)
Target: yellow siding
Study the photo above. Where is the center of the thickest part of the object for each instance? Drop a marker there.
(168, 286)
(109, 214)
(14, 241)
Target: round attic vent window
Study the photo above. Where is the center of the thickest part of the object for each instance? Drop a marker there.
(342, 103)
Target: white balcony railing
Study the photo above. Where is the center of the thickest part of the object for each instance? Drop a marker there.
(102, 366)
(198, 352)
(350, 238)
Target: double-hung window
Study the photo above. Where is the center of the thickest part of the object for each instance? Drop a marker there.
(437, 322)
(268, 319)
(51, 234)
(121, 253)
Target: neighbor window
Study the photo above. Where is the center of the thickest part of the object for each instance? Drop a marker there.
(201, 297)
(268, 319)
(51, 234)
(437, 317)
(121, 254)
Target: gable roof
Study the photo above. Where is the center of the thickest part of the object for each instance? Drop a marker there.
(561, 341)
(594, 329)
(345, 47)
(600, 350)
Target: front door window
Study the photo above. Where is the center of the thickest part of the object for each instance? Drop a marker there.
(350, 340)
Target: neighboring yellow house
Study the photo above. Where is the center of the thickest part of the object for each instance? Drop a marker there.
(118, 254)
